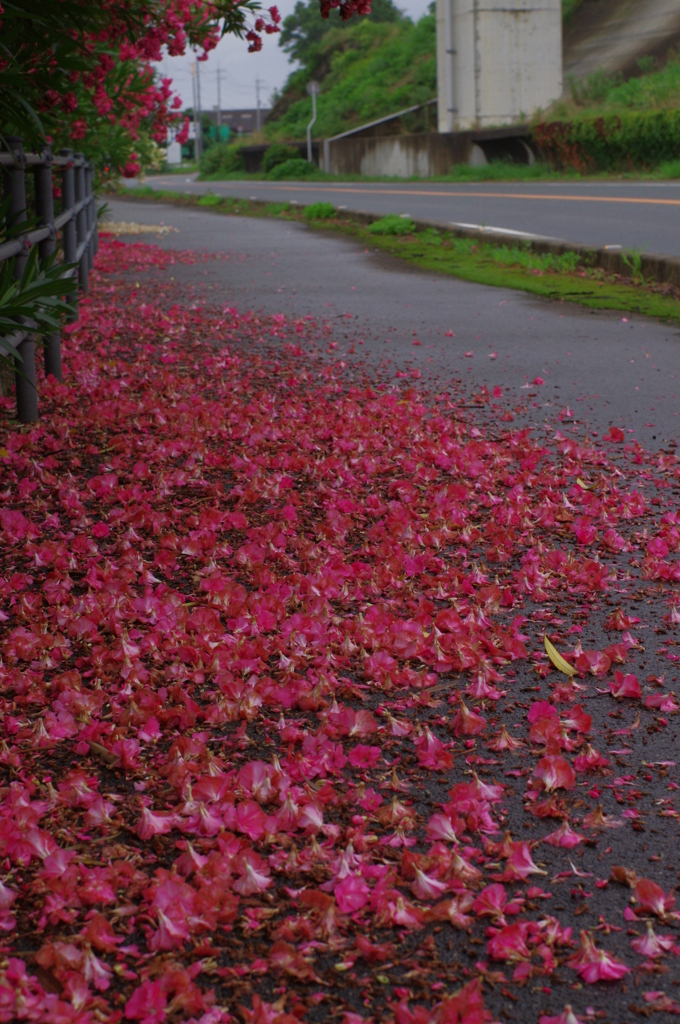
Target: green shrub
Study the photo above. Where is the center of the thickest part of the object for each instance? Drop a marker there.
(297, 168)
(630, 140)
(278, 154)
(669, 169)
(221, 159)
(392, 224)
(209, 200)
(277, 208)
(319, 211)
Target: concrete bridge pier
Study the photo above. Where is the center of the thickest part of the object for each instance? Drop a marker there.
(498, 61)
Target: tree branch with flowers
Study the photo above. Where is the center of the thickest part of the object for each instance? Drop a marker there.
(81, 74)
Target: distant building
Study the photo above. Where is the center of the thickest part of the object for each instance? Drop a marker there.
(241, 122)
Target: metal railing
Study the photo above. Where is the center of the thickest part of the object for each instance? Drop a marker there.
(79, 242)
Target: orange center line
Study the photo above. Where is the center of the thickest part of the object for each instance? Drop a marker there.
(463, 195)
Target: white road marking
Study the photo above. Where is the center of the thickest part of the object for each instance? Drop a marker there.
(500, 231)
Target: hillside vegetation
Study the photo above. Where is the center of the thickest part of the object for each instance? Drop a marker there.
(367, 70)
(610, 124)
(655, 87)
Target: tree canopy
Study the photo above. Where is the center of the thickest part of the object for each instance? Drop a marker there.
(303, 30)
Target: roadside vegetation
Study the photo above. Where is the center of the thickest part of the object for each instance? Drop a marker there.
(372, 67)
(610, 124)
(563, 277)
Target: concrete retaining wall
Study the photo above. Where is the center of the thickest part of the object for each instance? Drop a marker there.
(426, 154)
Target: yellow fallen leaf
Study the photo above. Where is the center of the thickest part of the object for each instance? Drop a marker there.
(4, 454)
(582, 484)
(556, 658)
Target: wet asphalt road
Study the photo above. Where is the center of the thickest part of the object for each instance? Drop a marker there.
(643, 215)
(607, 367)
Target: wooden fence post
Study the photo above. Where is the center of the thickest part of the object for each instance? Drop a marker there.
(68, 200)
(81, 222)
(15, 194)
(44, 203)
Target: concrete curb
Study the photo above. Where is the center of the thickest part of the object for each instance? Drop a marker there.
(653, 266)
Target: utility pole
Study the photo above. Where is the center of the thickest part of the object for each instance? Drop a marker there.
(199, 126)
(193, 112)
(219, 103)
(257, 90)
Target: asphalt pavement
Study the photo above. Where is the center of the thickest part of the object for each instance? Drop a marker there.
(606, 367)
(644, 216)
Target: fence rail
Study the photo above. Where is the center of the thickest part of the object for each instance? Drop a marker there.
(77, 223)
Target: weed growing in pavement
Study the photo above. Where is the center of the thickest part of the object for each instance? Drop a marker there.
(392, 224)
(319, 211)
(210, 200)
(633, 260)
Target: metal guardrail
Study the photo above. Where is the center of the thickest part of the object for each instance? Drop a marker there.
(77, 223)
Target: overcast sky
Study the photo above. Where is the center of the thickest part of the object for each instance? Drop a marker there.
(240, 69)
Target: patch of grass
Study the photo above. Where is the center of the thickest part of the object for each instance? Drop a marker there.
(557, 277)
(272, 209)
(668, 169)
(186, 168)
(319, 211)
(656, 86)
(503, 170)
(553, 277)
(210, 200)
(392, 224)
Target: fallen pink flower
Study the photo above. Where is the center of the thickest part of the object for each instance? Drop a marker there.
(351, 894)
(650, 898)
(564, 836)
(624, 686)
(440, 826)
(147, 1003)
(661, 1002)
(467, 722)
(555, 773)
(520, 863)
(510, 942)
(155, 824)
(594, 964)
(652, 945)
(426, 887)
(254, 877)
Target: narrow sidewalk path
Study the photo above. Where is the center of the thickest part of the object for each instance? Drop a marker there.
(607, 367)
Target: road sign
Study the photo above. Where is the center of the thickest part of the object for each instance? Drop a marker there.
(313, 88)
